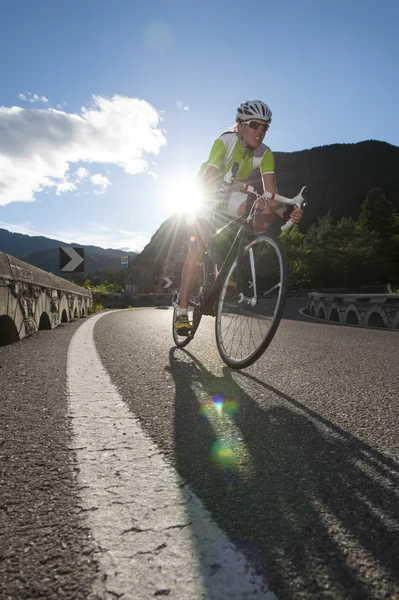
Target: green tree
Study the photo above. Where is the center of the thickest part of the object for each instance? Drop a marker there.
(377, 213)
(103, 286)
(378, 216)
(298, 258)
(338, 254)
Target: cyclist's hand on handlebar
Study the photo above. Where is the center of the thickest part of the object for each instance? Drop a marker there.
(296, 214)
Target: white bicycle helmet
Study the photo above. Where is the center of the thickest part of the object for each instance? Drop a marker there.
(253, 109)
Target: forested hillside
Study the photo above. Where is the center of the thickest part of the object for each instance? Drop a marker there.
(339, 176)
(349, 236)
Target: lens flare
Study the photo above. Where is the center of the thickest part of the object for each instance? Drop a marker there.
(230, 407)
(220, 407)
(182, 194)
(223, 453)
(228, 452)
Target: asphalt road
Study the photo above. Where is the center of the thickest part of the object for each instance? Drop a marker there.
(295, 458)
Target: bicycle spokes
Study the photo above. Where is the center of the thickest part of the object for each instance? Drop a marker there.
(250, 309)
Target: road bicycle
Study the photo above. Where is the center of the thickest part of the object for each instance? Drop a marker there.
(247, 294)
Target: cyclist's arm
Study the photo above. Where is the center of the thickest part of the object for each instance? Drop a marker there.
(269, 185)
(210, 174)
(269, 182)
(277, 208)
(211, 178)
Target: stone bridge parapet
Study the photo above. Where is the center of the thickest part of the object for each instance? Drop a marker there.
(32, 299)
(365, 310)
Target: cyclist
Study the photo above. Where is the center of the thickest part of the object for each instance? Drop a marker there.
(243, 144)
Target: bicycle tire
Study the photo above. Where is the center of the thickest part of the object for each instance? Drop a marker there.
(233, 313)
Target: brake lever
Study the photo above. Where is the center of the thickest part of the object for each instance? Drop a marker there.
(300, 201)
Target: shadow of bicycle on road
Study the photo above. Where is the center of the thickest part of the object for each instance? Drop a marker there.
(313, 507)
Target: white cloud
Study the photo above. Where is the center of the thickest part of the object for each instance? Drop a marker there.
(101, 182)
(29, 97)
(81, 174)
(70, 183)
(181, 106)
(64, 186)
(37, 98)
(95, 234)
(37, 146)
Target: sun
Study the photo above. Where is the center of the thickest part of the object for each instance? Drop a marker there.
(183, 195)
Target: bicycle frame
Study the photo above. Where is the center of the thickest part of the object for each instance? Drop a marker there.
(211, 294)
(206, 303)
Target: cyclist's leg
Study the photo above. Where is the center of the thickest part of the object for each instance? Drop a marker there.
(198, 241)
(263, 220)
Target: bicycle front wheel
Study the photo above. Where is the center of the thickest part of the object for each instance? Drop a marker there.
(249, 310)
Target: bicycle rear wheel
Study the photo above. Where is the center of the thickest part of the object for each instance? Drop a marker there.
(193, 311)
(249, 312)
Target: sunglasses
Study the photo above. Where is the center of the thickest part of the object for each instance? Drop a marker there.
(256, 125)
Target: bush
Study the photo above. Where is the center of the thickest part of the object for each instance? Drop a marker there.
(95, 308)
(391, 290)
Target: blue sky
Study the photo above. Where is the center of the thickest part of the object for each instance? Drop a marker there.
(120, 102)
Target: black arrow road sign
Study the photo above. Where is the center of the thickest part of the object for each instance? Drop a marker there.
(72, 259)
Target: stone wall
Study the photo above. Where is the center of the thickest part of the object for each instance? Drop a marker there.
(32, 299)
(366, 310)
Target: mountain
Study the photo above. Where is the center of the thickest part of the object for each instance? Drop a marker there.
(43, 252)
(21, 245)
(48, 260)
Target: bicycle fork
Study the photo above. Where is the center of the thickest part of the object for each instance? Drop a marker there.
(252, 283)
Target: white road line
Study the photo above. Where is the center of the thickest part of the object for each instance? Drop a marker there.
(153, 535)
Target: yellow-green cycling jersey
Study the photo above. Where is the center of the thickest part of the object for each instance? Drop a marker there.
(252, 164)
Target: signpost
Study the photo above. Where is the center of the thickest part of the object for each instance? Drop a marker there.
(71, 259)
(131, 289)
(125, 265)
(124, 262)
